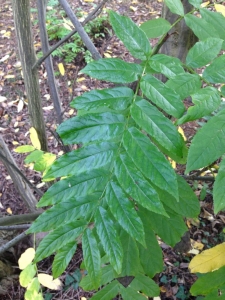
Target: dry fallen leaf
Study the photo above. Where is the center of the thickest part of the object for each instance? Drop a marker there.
(61, 69)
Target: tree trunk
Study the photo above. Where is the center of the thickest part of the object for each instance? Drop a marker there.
(181, 38)
(21, 12)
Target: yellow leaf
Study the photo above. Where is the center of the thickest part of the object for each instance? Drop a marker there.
(26, 258)
(208, 260)
(173, 163)
(88, 0)
(80, 79)
(61, 69)
(47, 281)
(107, 55)
(180, 130)
(220, 8)
(196, 245)
(9, 211)
(15, 143)
(34, 138)
(204, 4)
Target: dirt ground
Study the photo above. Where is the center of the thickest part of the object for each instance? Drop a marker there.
(175, 280)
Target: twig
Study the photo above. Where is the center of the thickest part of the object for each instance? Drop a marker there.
(203, 178)
(19, 219)
(15, 227)
(13, 242)
(91, 16)
(21, 174)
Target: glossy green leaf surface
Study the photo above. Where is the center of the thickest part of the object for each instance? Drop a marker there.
(216, 21)
(92, 257)
(155, 27)
(175, 6)
(184, 84)
(149, 118)
(63, 258)
(208, 144)
(150, 161)
(206, 101)
(92, 156)
(203, 52)
(214, 73)
(162, 96)
(216, 280)
(109, 238)
(131, 35)
(135, 185)
(108, 292)
(167, 65)
(219, 189)
(81, 185)
(116, 98)
(145, 285)
(92, 127)
(201, 28)
(169, 229)
(113, 70)
(66, 211)
(124, 212)
(151, 255)
(131, 264)
(188, 204)
(58, 238)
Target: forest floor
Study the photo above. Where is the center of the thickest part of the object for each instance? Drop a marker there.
(175, 280)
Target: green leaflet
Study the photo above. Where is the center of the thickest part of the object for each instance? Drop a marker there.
(215, 73)
(150, 161)
(131, 35)
(113, 70)
(216, 21)
(135, 185)
(149, 118)
(44, 162)
(109, 238)
(188, 205)
(150, 256)
(219, 189)
(156, 27)
(130, 294)
(208, 144)
(33, 289)
(26, 149)
(92, 127)
(58, 238)
(185, 84)
(131, 264)
(116, 99)
(175, 6)
(195, 3)
(84, 184)
(201, 28)
(63, 258)
(108, 292)
(92, 257)
(216, 280)
(145, 285)
(27, 274)
(92, 156)
(206, 101)
(167, 65)
(124, 212)
(203, 52)
(162, 96)
(67, 211)
(33, 156)
(169, 229)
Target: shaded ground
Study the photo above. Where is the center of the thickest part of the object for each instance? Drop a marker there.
(175, 280)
